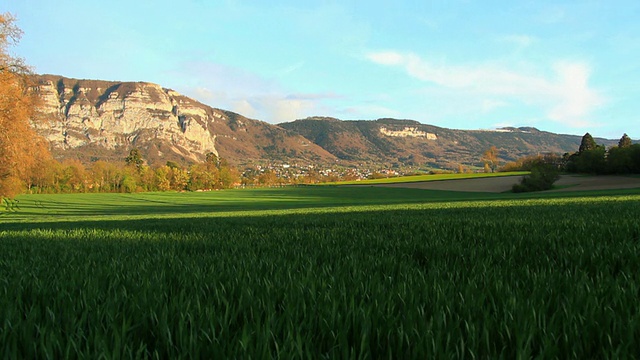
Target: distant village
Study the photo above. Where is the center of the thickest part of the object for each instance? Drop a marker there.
(307, 173)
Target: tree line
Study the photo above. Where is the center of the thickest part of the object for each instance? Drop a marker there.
(590, 158)
(597, 159)
(130, 175)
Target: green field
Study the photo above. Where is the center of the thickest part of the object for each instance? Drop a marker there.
(321, 272)
(427, 177)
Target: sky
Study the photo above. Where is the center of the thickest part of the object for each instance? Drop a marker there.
(567, 67)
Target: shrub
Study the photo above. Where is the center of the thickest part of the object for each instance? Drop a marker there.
(541, 178)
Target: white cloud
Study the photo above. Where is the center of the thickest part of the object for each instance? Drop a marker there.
(291, 68)
(366, 110)
(386, 58)
(273, 108)
(251, 95)
(565, 97)
(520, 40)
(244, 107)
(289, 109)
(314, 96)
(552, 15)
(578, 100)
(491, 104)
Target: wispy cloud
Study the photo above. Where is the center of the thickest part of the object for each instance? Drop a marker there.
(270, 107)
(314, 96)
(552, 14)
(519, 40)
(564, 96)
(252, 95)
(283, 109)
(291, 68)
(387, 57)
(492, 104)
(360, 110)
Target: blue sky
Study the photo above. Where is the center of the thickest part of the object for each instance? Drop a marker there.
(562, 66)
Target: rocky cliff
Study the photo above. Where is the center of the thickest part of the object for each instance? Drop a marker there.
(90, 120)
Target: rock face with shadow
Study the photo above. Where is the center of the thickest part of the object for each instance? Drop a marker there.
(102, 120)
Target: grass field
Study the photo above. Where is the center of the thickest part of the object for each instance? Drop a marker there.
(428, 177)
(321, 272)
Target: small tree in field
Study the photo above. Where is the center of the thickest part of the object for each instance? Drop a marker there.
(490, 158)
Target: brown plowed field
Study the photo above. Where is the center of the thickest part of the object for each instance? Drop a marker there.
(502, 184)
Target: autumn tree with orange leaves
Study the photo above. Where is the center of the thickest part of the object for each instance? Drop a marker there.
(490, 159)
(21, 150)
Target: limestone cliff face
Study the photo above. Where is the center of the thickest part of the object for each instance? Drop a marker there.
(408, 131)
(113, 115)
(92, 119)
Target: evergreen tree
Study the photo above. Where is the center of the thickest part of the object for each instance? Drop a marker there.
(211, 158)
(134, 159)
(625, 141)
(173, 164)
(587, 143)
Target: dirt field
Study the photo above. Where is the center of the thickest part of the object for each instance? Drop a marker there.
(502, 184)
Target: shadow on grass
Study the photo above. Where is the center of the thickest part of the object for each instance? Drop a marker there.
(195, 220)
(157, 209)
(78, 205)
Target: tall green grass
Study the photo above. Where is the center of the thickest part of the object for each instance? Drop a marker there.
(505, 277)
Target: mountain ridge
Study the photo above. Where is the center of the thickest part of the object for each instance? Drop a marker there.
(414, 143)
(97, 119)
